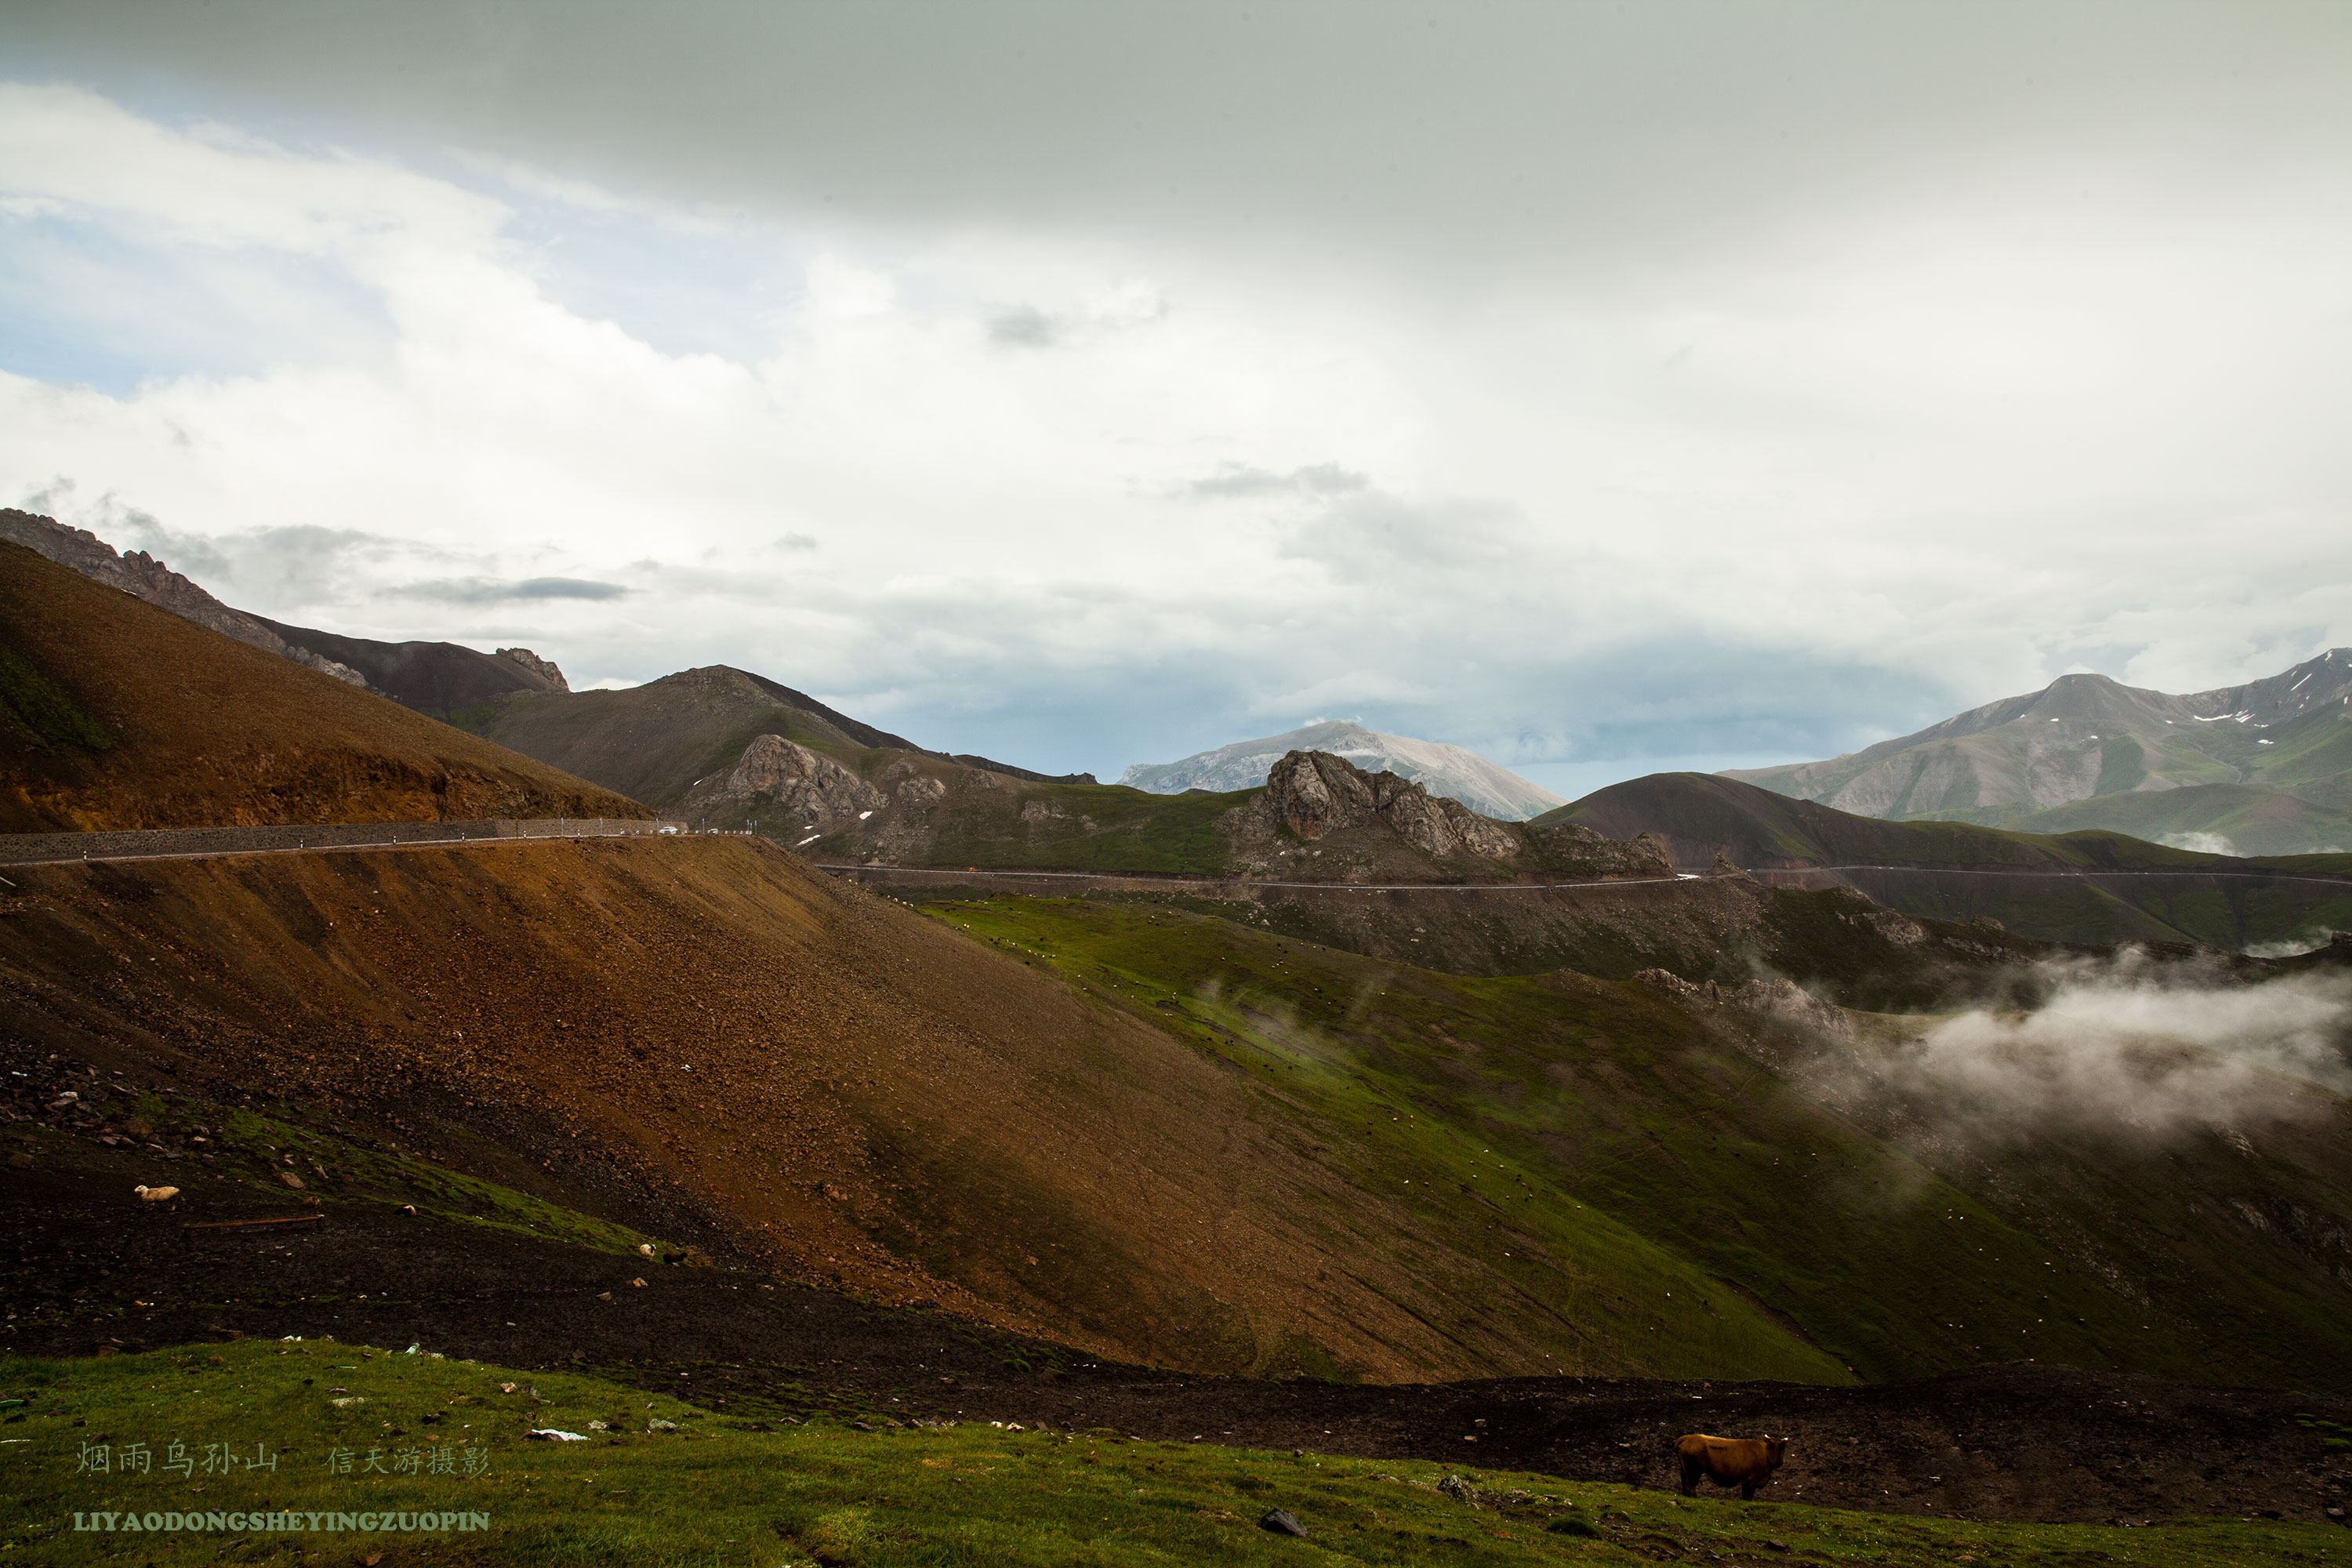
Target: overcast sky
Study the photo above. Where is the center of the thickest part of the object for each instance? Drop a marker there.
(1606, 387)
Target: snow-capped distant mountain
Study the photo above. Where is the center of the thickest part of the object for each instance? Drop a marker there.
(1440, 769)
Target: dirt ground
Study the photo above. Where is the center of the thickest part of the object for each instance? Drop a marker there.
(869, 1098)
(89, 1273)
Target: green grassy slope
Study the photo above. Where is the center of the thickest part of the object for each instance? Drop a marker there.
(2253, 913)
(2311, 758)
(2254, 821)
(675, 1483)
(1625, 1303)
(1035, 826)
(1697, 812)
(1507, 1102)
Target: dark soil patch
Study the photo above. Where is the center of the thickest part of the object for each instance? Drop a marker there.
(92, 1271)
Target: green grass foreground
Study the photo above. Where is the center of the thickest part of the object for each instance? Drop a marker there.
(719, 1491)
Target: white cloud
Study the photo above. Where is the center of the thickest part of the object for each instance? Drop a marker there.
(2120, 1044)
(1124, 495)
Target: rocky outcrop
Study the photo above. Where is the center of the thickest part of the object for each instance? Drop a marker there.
(1363, 825)
(1443, 770)
(140, 574)
(911, 785)
(806, 785)
(542, 667)
(1314, 793)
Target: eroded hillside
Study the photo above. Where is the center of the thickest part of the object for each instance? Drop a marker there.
(862, 1094)
(119, 714)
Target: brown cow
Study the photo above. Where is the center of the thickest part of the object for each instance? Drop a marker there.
(1744, 1462)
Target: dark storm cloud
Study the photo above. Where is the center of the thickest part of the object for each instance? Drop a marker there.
(1567, 381)
(491, 591)
(1463, 139)
(1025, 326)
(1241, 479)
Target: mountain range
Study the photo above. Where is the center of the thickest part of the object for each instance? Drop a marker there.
(1440, 769)
(1172, 1124)
(2087, 885)
(725, 747)
(2263, 768)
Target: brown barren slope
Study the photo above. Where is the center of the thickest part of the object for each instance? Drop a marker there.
(204, 731)
(863, 1095)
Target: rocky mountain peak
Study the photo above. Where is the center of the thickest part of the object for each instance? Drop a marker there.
(140, 574)
(542, 667)
(1315, 793)
(1443, 770)
(1365, 826)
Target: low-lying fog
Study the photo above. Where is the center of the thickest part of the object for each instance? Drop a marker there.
(2122, 1042)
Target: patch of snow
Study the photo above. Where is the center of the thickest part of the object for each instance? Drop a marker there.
(809, 840)
(863, 815)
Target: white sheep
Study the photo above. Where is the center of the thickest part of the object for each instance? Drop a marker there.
(157, 1195)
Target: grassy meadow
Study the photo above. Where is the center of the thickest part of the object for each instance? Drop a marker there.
(658, 1480)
